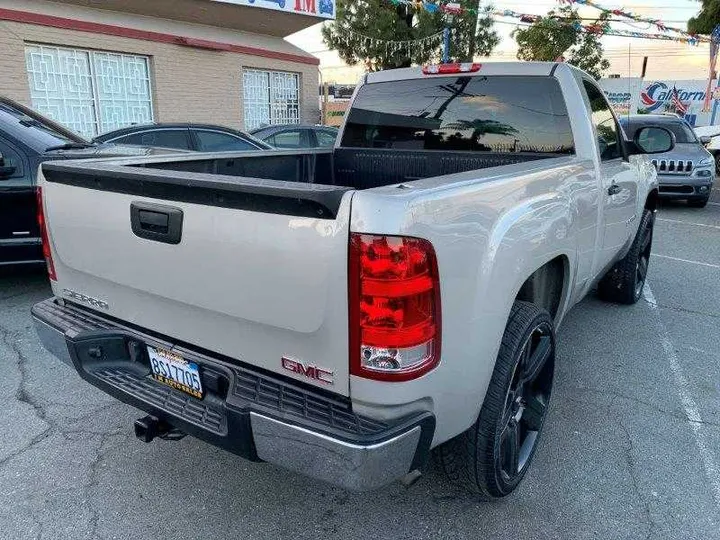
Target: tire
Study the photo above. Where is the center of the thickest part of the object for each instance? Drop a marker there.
(698, 203)
(625, 281)
(492, 457)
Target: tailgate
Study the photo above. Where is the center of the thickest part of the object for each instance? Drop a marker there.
(257, 270)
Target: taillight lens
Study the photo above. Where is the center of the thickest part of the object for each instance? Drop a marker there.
(47, 254)
(394, 307)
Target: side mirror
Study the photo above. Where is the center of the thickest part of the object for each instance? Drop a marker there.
(6, 170)
(653, 140)
(705, 139)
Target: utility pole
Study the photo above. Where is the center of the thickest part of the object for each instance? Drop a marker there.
(715, 44)
(446, 45)
(451, 9)
(325, 104)
(473, 39)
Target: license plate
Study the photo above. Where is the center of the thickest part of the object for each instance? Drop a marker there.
(172, 369)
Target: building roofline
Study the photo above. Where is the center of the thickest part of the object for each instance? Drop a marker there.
(52, 21)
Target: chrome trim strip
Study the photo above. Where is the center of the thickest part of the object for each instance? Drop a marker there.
(53, 340)
(351, 466)
(20, 241)
(18, 263)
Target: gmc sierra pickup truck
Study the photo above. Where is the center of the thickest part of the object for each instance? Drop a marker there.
(342, 313)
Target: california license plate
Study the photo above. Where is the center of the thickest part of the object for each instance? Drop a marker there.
(172, 369)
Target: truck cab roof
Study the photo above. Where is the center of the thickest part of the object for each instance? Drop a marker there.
(486, 68)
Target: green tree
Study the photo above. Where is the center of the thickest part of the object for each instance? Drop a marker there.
(362, 28)
(707, 19)
(557, 35)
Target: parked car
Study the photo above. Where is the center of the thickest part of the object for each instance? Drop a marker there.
(27, 139)
(688, 171)
(297, 136)
(342, 312)
(184, 136)
(710, 138)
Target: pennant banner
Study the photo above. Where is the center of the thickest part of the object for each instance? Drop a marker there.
(599, 28)
(429, 43)
(637, 18)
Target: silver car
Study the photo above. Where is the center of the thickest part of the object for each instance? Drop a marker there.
(687, 172)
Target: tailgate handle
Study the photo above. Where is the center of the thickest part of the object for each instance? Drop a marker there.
(156, 222)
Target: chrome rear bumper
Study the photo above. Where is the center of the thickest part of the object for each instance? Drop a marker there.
(283, 423)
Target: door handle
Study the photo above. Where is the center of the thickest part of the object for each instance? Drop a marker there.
(614, 189)
(156, 222)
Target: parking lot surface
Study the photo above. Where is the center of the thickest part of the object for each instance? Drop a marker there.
(631, 448)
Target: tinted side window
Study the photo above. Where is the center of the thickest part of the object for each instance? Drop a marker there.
(166, 138)
(683, 133)
(481, 114)
(127, 139)
(214, 141)
(9, 157)
(325, 139)
(287, 139)
(604, 122)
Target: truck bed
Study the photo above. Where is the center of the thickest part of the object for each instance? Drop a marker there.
(355, 168)
(270, 229)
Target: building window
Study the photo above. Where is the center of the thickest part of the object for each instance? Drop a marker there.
(91, 92)
(270, 97)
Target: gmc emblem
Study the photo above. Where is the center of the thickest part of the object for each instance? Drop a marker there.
(309, 371)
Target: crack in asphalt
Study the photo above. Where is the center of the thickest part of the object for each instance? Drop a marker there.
(11, 340)
(93, 483)
(690, 311)
(632, 469)
(23, 396)
(679, 415)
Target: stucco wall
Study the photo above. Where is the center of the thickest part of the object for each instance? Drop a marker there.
(189, 84)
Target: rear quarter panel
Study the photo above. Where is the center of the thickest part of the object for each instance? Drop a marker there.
(491, 230)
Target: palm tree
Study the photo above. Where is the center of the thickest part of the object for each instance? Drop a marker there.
(482, 127)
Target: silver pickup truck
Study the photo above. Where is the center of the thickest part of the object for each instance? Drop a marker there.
(342, 313)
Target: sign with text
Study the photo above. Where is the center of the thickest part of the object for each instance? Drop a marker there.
(316, 8)
(622, 94)
(636, 96)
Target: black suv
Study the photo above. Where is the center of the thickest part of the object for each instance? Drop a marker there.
(26, 140)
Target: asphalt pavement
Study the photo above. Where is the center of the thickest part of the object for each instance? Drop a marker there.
(631, 448)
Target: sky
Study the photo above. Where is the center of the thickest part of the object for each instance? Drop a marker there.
(666, 60)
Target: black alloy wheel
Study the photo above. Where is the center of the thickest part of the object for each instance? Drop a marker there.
(526, 403)
(625, 281)
(494, 454)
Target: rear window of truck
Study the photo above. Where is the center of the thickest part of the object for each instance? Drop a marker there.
(501, 114)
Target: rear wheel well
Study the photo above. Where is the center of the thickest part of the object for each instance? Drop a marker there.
(546, 285)
(651, 203)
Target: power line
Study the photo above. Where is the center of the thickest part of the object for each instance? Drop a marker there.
(625, 6)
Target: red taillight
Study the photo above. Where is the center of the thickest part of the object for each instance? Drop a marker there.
(44, 236)
(394, 307)
(442, 69)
